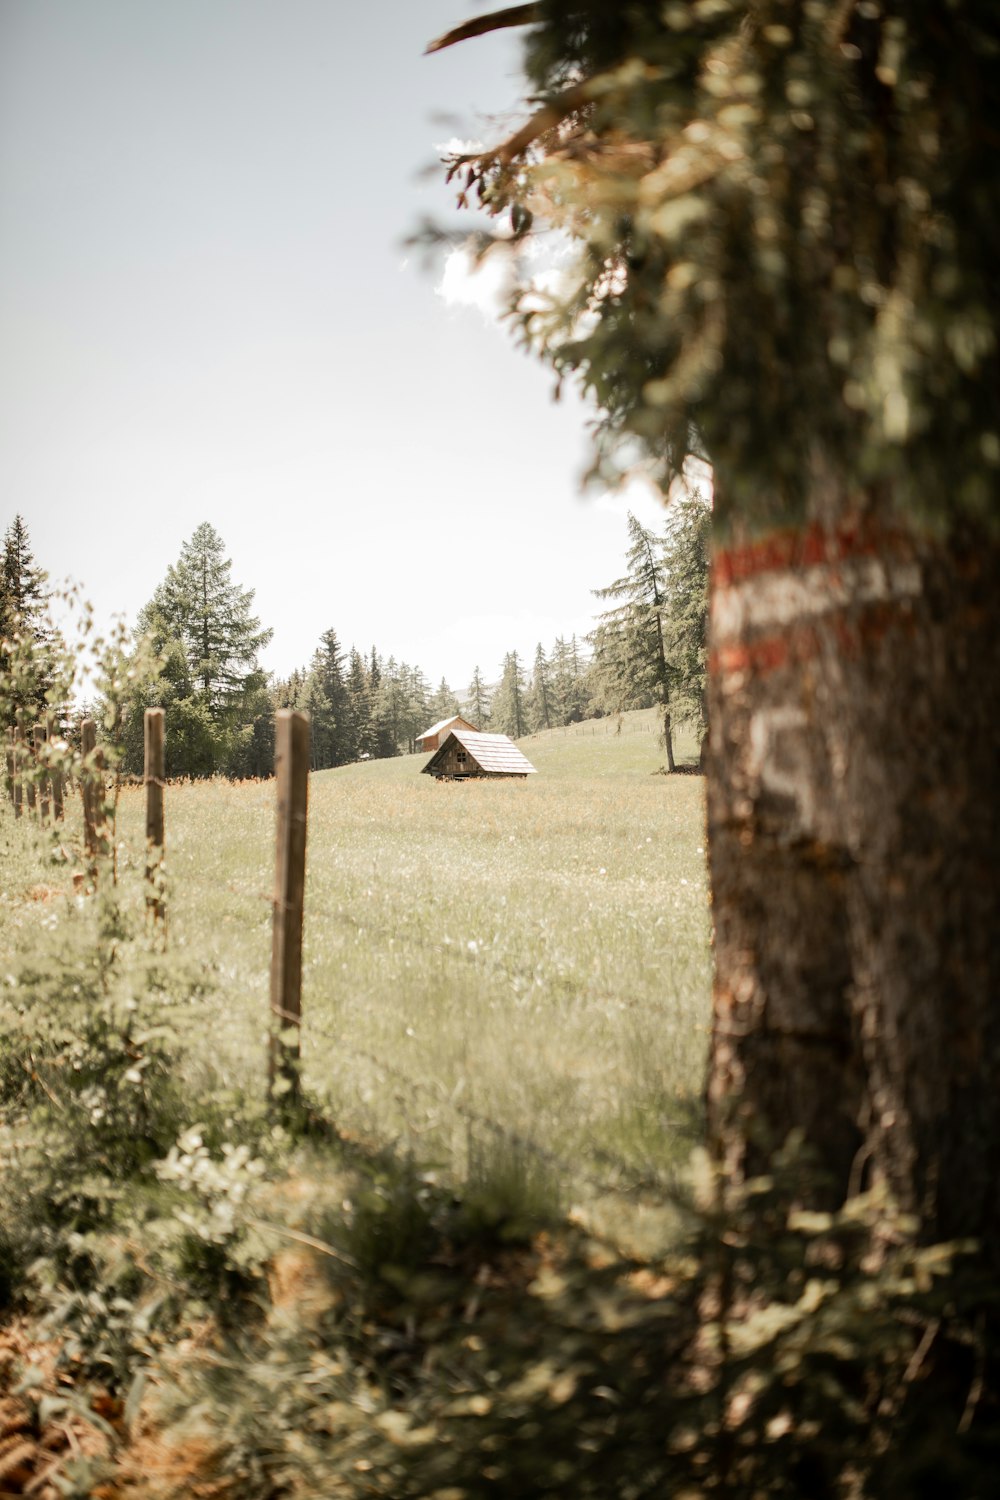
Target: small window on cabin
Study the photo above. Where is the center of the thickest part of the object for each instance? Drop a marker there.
(461, 756)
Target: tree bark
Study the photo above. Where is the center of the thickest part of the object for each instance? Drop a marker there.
(853, 818)
(668, 738)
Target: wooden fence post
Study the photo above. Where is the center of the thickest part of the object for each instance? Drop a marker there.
(18, 789)
(88, 785)
(291, 769)
(55, 774)
(27, 759)
(153, 775)
(10, 764)
(39, 737)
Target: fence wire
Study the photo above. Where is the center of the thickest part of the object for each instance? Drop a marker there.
(481, 961)
(656, 1191)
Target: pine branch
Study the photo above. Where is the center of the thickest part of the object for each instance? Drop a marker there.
(514, 15)
(541, 122)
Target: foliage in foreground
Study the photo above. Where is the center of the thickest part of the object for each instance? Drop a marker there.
(795, 195)
(237, 1313)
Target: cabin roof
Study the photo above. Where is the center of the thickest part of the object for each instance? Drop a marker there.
(442, 724)
(492, 752)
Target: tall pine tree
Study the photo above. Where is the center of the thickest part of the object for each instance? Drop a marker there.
(477, 700)
(507, 713)
(631, 662)
(540, 705)
(212, 681)
(23, 597)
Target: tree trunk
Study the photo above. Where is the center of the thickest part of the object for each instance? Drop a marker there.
(853, 817)
(668, 738)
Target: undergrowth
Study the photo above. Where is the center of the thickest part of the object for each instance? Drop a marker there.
(237, 1308)
(281, 1318)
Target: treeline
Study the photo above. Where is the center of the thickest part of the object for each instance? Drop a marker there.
(197, 650)
(647, 649)
(369, 706)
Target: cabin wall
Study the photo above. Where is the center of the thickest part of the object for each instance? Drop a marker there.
(457, 762)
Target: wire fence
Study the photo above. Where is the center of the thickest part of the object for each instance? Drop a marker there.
(480, 960)
(653, 1188)
(613, 1176)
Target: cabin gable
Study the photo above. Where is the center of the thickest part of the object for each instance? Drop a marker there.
(434, 738)
(467, 754)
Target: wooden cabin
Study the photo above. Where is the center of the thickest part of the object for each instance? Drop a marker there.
(432, 738)
(465, 753)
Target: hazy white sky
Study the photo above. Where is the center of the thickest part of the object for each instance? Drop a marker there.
(207, 313)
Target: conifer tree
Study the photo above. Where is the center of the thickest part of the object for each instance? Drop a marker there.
(23, 597)
(199, 605)
(540, 707)
(569, 681)
(363, 740)
(329, 704)
(477, 700)
(22, 583)
(393, 703)
(212, 682)
(507, 712)
(415, 711)
(685, 570)
(384, 742)
(443, 703)
(631, 663)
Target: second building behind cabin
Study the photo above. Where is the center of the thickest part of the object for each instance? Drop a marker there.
(432, 738)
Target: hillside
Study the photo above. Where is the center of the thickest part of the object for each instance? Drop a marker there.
(505, 1012)
(540, 947)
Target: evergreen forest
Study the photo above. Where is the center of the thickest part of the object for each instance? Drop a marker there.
(195, 651)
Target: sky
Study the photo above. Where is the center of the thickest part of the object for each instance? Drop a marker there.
(208, 312)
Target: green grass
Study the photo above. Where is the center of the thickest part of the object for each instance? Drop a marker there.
(533, 952)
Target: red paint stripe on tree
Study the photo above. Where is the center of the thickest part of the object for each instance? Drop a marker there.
(804, 547)
(850, 636)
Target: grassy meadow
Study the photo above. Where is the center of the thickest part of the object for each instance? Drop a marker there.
(533, 954)
(491, 1276)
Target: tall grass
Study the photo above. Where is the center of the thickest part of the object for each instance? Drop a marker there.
(534, 953)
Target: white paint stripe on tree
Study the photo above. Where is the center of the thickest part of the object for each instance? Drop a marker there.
(778, 599)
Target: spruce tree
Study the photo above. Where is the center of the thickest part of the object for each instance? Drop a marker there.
(363, 741)
(212, 683)
(631, 663)
(443, 703)
(329, 704)
(507, 711)
(199, 605)
(23, 594)
(393, 703)
(414, 704)
(23, 597)
(477, 700)
(540, 707)
(385, 744)
(685, 570)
